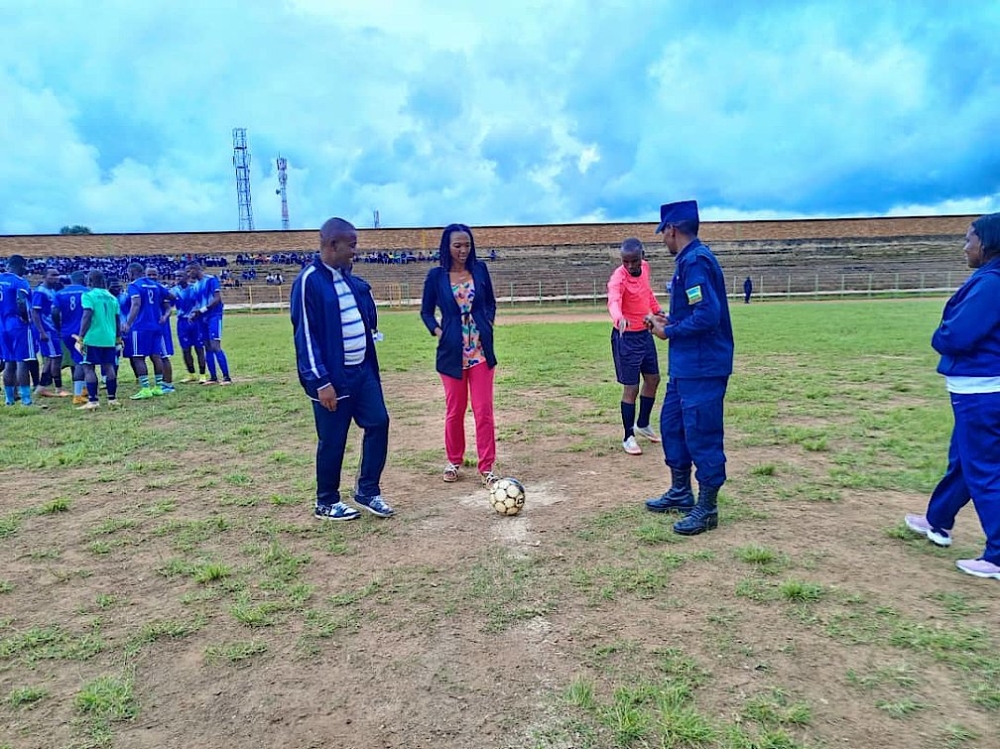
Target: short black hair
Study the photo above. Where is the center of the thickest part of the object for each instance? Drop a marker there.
(96, 280)
(688, 226)
(987, 228)
(334, 226)
(632, 244)
(17, 263)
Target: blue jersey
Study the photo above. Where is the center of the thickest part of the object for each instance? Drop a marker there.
(183, 299)
(149, 295)
(124, 306)
(13, 288)
(43, 299)
(71, 309)
(204, 291)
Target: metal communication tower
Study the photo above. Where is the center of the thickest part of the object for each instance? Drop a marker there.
(378, 219)
(282, 189)
(241, 160)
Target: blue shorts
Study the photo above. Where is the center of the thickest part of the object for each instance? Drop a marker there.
(17, 343)
(211, 328)
(52, 348)
(188, 333)
(97, 355)
(146, 343)
(168, 341)
(634, 354)
(70, 344)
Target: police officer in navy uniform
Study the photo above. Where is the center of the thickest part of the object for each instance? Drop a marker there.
(700, 361)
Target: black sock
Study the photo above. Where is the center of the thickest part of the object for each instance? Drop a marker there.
(628, 418)
(33, 372)
(45, 380)
(645, 409)
(57, 379)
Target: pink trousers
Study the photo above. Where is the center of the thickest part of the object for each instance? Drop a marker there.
(477, 383)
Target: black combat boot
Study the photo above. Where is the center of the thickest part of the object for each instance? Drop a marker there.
(704, 516)
(679, 497)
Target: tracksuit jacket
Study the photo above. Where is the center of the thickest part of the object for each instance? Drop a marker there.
(319, 342)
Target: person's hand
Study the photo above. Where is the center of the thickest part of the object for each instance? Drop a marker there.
(125, 329)
(656, 323)
(328, 398)
(622, 325)
(437, 332)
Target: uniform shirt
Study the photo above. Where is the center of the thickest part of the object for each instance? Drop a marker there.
(12, 287)
(124, 306)
(70, 309)
(183, 299)
(355, 341)
(165, 325)
(700, 331)
(43, 299)
(204, 292)
(149, 295)
(103, 330)
(631, 297)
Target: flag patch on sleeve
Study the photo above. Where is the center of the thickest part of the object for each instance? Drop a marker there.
(693, 294)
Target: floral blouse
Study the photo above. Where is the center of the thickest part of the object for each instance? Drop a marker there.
(472, 349)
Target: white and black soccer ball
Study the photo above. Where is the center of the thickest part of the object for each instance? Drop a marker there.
(507, 496)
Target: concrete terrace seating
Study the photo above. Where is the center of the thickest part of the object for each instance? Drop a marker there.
(777, 267)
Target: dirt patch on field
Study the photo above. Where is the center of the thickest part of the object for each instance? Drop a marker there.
(451, 627)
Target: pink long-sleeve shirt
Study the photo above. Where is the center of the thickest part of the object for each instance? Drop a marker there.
(630, 297)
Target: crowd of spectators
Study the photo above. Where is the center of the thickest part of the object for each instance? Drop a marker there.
(114, 267)
(277, 258)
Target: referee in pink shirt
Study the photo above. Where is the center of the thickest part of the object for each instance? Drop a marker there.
(630, 299)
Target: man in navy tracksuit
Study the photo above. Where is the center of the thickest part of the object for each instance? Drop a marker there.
(968, 340)
(700, 362)
(334, 321)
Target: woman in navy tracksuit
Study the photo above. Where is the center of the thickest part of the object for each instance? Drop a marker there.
(968, 340)
(463, 293)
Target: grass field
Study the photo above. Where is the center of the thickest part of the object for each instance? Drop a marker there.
(163, 583)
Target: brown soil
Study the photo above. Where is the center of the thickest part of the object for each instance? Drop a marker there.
(409, 675)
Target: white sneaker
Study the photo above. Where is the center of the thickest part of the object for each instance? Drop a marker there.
(631, 446)
(647, 432)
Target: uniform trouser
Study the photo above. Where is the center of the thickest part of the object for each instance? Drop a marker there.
(476, 383)
(973, 469)
(691, 427)
(361, 401)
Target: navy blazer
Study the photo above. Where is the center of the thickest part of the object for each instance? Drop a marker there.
(438, 294)
(319, 335)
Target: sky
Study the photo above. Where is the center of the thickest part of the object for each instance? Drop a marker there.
(118, 115)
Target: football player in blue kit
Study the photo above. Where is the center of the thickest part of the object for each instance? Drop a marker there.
(188, 333)
(69, 300)
(207, 313)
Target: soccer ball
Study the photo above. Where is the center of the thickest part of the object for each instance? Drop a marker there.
(507, 496)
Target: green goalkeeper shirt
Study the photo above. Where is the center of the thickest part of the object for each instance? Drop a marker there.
(103, 330)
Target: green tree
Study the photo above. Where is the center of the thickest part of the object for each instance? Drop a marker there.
(75, 229)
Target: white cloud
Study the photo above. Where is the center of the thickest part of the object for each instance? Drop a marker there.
(527, 111)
